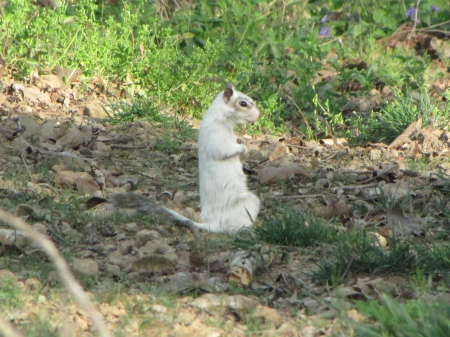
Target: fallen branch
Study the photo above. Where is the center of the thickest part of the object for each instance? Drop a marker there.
(61, 266)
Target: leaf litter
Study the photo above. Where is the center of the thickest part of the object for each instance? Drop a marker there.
(53, 143)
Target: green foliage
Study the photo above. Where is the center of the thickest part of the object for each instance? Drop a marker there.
(178, 55)
(414, 318)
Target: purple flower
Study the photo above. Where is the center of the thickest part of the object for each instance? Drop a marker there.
(411, 12)
(324, 19)
(434, 8)
(325, 31)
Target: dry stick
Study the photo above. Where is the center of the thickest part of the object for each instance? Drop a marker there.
(436, 25)
(7, 329)
(296, 146)
(347, 269)
(258, 163)
(416, 12)
(63, 269)
(299, 110)
(331, 133)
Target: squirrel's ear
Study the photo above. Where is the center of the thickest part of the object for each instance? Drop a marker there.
(228, 92)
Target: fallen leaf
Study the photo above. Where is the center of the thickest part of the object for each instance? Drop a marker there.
(268, 175)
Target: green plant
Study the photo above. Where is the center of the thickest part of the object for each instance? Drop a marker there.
(398, 114)
(363, 255)
(413, 319)
(178, 56)
(294, 228)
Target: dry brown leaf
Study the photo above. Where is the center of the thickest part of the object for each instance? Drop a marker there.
(337, 210)
(277, 151)
(403, 226)
(366, 288)
(267, 175)
(396, 192)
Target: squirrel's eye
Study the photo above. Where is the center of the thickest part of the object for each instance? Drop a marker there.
(243, 103)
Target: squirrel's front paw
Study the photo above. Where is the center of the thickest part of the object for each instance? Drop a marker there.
(241, 142)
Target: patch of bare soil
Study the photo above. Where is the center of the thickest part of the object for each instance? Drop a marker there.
(57, 152)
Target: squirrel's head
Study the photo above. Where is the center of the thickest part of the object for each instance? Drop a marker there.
(242, 109)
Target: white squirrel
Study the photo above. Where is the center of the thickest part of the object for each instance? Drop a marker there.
(226, 203)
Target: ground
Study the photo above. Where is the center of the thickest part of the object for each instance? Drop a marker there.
(61, 159)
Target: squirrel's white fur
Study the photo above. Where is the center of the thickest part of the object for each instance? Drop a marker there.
(226, 203)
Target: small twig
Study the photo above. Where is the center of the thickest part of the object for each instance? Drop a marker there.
(128, 147)
(147, 175)
(299, 110)
(358, 172)
(347, 269)
(331, 133)
(63, 269)
(258, 163)
(339, 38)
(416, 12)
(47, 186)
(7, 329)
(299, 282)
(296, 146)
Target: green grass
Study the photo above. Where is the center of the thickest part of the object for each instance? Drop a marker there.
(166, 57)
(412, 319)
(295, 228)
(361, 256)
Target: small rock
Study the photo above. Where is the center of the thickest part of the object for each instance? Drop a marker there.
(158, 247)
(67, 178)
(12, 237)
(86, 266)
(41, 299)
(95, 110)
(131, 227)
(107, 230)
(40, 228)
(52, 81)
(33, 284)
(71, 139)
(268, 315)
(112, 269)
(133, 276)
(8, 276)
(120, 260)
(375, 154)
(25, 109)
(145, 235)
(159, 308)
(233, 302)
(125, 247)
(153, 263)
(103, 148)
